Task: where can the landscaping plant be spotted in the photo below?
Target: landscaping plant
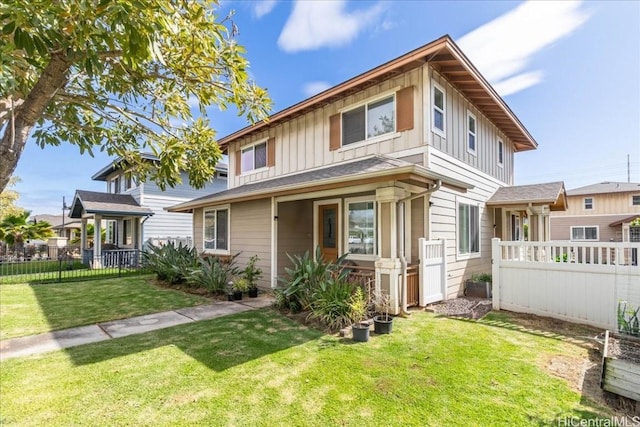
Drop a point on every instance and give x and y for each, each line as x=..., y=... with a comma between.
x=252, y=273
x=171, y=263
x=337, y=303
x=213, y=274
x=628, y=320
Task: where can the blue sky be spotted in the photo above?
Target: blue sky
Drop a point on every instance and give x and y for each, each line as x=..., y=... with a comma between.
x=569, y=70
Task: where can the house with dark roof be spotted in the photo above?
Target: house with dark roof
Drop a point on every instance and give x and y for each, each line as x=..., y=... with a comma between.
x=133, y=213
x=379, y=167
x=601, y=212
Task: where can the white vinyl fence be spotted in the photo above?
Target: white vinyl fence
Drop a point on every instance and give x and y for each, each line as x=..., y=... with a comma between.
x=579, y=282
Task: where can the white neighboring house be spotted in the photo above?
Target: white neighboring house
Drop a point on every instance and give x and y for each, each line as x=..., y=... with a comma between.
x=133, y=214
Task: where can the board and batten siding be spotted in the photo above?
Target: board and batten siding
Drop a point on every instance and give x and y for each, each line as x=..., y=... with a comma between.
x=443, y=218
x=303, y=142
x=454, y=143
x=603, y=204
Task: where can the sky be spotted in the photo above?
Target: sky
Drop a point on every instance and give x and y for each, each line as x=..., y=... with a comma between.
x=570, y=71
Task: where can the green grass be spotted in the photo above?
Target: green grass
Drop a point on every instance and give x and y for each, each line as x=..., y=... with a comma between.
x=261, y=369
x=35, y=267
x=33, y=309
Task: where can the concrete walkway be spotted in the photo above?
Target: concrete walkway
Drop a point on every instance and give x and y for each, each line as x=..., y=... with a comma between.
x=50, y=341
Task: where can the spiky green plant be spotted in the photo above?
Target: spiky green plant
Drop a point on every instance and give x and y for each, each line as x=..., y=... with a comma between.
x=628, y=319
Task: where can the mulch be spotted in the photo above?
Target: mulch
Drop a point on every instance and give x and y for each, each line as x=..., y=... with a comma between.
x=466, y=307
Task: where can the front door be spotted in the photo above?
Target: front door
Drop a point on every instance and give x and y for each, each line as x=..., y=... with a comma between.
x=328, y=231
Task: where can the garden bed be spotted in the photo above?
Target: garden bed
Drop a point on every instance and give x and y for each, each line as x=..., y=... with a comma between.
x=621, y=365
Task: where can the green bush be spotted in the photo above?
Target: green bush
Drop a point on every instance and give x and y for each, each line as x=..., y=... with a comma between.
x=338, y=303
x=306, y=276
x=628, y=321
x=171, y=263
x=213, y=274
x=252, y=273
x=565, y=258
x=481, y=277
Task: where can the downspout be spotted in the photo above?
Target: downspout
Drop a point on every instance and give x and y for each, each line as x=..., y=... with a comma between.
x=402, y=240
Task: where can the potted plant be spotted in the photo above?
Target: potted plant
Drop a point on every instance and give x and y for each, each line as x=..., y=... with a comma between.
x=251, y=275
x=383, y=322
x=240, y=285
x=478, y=286
x=358, y=306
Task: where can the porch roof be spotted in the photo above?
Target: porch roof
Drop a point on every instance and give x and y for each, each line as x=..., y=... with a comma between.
x=93, y=202
x=624, y=220
x=365, y=171
x=550, y=193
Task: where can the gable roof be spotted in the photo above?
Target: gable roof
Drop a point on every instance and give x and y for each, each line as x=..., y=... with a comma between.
x=93, y=202
x=56, y=221
x=371, y=169
x=551, y=193
x=447, y=59
x=605, y=187
x=103, y=173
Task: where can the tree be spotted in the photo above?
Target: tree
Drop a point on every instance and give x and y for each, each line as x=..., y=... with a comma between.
x=121, y=76
x=8, y=198
x=17, y=229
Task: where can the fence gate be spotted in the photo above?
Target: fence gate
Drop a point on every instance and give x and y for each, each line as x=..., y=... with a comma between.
x=433, y=271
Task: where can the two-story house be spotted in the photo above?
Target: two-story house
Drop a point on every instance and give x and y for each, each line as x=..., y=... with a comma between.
x=599, y=212
x=133, y=213
x=411, y=149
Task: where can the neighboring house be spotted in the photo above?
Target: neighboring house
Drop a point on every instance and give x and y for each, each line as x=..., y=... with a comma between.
x=62, y=226
x=133, y=213
x=599, y=213
x=413, y=148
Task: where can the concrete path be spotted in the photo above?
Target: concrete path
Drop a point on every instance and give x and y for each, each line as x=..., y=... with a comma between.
x=50, y=341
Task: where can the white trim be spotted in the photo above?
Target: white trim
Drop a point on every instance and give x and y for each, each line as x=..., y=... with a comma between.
x=500, y=162
x=584, y=232
x=365, y=142
x=470, y=202
x=274, y=244
x=473, y=151
x=432, y=104
x=378, y=97
x=329, y=193
x=316, y=238
x=631, y=201
x=584, y=204
x=217, y=208
x=441, y=154
x=345, y=238
x=156, y=197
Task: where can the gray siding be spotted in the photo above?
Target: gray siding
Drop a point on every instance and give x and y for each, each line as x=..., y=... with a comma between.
x=185, y=191
x=295, y=231
x=561, y=226
x=163, y=223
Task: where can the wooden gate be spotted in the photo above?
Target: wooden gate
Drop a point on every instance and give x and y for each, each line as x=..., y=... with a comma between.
x=433, y=271
x=413, y=286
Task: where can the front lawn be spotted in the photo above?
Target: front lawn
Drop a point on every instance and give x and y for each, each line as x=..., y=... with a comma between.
x=261, y=369
x=33, y=309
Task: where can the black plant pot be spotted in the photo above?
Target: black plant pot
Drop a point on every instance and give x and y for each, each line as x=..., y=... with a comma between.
x=360, y=332
x=382, y=324
x=477, y=289
x=230, y=297
x=237, y=295
x=253, y=293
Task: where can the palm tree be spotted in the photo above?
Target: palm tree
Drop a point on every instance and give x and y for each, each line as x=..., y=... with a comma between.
x=16, y=229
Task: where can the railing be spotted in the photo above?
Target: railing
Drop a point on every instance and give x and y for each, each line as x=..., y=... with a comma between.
x=161, y=241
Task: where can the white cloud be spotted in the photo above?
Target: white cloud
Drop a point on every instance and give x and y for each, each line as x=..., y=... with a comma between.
x=313, y=88
x=263, y=7
x=502, y=49
x=316, y=24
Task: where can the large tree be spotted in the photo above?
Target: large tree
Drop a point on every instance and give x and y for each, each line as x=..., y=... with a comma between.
x=121, y=76
x=8, y=198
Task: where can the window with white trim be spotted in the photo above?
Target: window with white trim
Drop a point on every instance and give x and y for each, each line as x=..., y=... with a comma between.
x=216, y=230
x=367, y=121
x=584, y=233
x=588, y=203
x=468, y=229
x=635, y=200
x=500, y=153
x=362, y=226
x=254, y=157
x=471, y=133
x=114, y=185
x=438, y=115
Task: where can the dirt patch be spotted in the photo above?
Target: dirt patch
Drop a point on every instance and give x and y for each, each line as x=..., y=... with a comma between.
x=467, y=307
x=624, y=349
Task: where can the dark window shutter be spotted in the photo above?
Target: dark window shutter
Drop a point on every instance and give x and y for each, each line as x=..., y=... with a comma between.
x=334, y=132
x=404, y=100
x=238, y=162
x=271, y=152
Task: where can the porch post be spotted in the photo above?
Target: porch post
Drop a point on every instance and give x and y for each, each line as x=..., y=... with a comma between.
x=388, y=266
x=83, y=235
x=97, y=242
x=274, y=243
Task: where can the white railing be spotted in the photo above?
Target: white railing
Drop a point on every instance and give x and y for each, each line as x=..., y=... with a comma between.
x=579, y=282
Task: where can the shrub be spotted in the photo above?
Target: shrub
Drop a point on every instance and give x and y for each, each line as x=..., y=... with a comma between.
x=628, y=321
x=306, y=276
x=252, y=273
x=170, y=263
x=338, y=303
x=481, y=277
x=213, y=274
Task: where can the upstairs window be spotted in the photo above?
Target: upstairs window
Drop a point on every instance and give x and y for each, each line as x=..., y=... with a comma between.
x=588, y=203
x=254, y=157
x=635, y=200
x=471, y=133
x=114, y=186
x=500, y=153
x=439, y=108
x=369, y=120
x=584, y=233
